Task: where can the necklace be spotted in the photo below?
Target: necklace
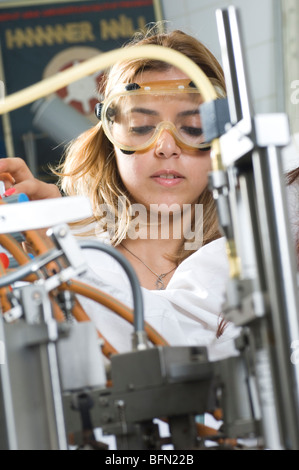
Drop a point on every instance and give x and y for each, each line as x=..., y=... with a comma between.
x=159, y=282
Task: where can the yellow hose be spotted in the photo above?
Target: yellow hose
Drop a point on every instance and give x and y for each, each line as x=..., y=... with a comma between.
x=113, y=304
x=103, y=61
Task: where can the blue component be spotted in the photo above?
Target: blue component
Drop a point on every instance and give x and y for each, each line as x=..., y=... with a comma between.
x=22, y=197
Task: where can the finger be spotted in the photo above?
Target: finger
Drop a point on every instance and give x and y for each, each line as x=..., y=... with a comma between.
x=7, y=180
x=17, y=168
x=28, y=187
x=36, y=189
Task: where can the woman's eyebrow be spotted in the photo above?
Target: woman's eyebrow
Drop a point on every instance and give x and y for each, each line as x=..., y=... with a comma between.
x=151, y=112
x=189, y=112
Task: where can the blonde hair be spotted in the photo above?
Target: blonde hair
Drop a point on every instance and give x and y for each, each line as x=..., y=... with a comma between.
x=90, y=168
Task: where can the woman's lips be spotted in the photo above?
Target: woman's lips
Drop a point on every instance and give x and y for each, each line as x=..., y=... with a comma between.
x=167, y=178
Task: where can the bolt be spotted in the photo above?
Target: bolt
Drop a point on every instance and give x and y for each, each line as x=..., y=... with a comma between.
x=62, y=232
x=103, y=401
x=106, y=418
x=36, y=296
x=119, y=403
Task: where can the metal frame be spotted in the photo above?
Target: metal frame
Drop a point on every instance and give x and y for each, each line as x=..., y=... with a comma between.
x=256, y=188
x=257, y=390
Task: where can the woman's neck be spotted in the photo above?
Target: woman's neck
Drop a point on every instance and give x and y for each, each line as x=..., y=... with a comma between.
x=152, y=245
x=153, y=248
x=162, y=228
x=151, y=260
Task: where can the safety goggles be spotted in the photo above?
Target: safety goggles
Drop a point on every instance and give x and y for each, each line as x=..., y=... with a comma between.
x=134, y=116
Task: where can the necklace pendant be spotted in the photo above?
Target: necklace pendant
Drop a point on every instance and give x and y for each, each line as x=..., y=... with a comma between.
x=159, y=283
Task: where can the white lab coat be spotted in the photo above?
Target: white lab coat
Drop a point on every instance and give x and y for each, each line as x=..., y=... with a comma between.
x=187, y=312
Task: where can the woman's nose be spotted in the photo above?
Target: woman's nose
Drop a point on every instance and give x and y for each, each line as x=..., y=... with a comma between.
x=166, y=145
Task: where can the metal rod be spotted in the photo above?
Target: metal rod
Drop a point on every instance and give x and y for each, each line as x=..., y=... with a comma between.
x=32, y=267
x=280, y=269
x=278, y=326
x=136, y=290
x=234, y=68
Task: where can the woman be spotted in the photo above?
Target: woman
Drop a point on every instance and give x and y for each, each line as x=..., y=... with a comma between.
x=148, y=150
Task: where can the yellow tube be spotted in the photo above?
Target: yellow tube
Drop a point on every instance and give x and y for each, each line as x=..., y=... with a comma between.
x=103, y=61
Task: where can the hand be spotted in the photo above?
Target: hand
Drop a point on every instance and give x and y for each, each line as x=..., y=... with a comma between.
x=16, y=175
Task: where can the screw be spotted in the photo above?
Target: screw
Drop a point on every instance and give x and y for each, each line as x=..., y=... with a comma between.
x=62, y=232
x=103, y=401
x=36, y=296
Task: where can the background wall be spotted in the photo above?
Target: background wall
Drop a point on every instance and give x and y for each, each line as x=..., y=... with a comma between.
x=258, y=19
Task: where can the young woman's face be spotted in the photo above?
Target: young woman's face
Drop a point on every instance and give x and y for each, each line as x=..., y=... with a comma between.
x=166, y=173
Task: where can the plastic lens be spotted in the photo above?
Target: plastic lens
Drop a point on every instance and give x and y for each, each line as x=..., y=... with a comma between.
x=133, y=120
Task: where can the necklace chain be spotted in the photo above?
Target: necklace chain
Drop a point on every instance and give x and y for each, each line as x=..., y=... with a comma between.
x=159, y=282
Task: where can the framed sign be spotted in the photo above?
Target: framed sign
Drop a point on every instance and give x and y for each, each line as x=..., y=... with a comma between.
x=41, y=38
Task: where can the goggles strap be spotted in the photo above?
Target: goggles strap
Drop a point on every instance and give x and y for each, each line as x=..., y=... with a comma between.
x=98, y=110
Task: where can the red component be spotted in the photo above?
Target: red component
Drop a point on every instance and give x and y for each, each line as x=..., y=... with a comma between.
x=4, y=259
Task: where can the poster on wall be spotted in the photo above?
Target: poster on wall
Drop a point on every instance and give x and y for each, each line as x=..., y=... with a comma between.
x=41, y=38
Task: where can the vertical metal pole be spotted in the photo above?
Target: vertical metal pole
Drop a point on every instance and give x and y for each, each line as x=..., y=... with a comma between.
x=277, y=377
x=8, y=432
x=280, y=270
x=239, y=100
